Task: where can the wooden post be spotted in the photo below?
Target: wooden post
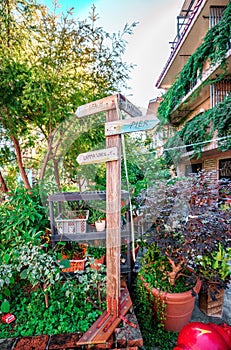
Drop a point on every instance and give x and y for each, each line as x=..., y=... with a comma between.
x=113, y=232
x=112, y=156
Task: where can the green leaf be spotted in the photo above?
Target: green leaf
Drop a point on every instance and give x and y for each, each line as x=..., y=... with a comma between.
x=23, y=274
x=5, y=306
x=7, y=291
x=6, y=258
x=64, y=263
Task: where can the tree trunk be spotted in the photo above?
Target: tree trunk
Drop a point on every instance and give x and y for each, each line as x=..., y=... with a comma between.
x=20, y=162
x=3, y=187
x=56, y=173
x=47, y=157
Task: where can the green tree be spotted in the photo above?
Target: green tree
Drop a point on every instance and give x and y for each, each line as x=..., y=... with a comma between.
x=52, y=64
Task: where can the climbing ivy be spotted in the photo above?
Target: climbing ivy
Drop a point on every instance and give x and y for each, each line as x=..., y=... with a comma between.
x=200, y=129
x=213, y=48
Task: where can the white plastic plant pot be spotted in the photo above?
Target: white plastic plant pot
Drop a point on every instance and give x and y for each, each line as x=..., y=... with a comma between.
x=100, y=225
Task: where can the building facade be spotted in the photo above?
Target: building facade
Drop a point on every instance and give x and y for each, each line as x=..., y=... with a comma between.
x=197, y=81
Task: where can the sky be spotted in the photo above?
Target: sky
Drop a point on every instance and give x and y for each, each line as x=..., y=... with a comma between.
x=148, y=48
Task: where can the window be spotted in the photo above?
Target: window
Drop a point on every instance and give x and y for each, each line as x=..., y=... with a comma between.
x=193, y=168
x=216, y=13
x=225, y=168
x=219, y=91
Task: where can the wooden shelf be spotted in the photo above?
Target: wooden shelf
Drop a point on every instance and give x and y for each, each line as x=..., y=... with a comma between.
x=91, y=234
x=86, y=196
x=88, y=236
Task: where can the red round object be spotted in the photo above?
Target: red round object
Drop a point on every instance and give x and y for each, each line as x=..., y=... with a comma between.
x=201, y=336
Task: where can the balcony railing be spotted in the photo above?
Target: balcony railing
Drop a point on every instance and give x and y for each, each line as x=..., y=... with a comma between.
x=181, y=32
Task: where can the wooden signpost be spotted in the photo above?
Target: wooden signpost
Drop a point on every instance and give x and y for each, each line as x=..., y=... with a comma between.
x=118, y=303
x=99, y=156
x=107, y=104
x=131, y=125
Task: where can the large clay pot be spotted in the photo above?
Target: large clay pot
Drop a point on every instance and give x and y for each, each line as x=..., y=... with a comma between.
x=179, y=306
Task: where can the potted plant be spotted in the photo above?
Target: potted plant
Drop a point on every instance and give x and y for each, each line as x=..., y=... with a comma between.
x=213, y=263
x=100, y=224
x=96, y=256
x=215, y=271
x=73, y=255
x=171, y=283
x=187, y=223
x=97, y=218
x=129, y=251
x=94, y=214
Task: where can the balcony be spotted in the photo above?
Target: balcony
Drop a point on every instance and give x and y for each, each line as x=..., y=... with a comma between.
x=203, y=92
x=208, y=131
x=195, y=18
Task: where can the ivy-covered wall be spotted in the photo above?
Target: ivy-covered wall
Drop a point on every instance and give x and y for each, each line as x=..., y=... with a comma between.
x=199, y=130
x=213, y=48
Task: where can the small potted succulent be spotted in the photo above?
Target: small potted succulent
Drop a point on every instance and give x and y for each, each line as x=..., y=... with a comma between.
x=100, y=224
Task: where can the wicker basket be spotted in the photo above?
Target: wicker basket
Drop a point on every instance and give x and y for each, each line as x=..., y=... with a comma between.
x=71, y=225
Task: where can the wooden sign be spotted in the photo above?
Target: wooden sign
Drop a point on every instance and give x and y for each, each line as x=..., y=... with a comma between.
x=104, y=104
x=98, y=156
x=131, y=125
x=107, y=104
x=128, y=107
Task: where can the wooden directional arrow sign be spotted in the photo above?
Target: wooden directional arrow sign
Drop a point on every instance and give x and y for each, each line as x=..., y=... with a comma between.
x=131, y=125
x=128, y=107
x=107, y=104
x=99, y=156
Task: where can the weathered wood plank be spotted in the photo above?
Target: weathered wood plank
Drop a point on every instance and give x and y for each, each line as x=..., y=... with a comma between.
x=131, y=125
x=104, y=104
x=128, y=107
x=107, y=104
x=113, y=231
x=101, y=331
x=90, y=334
x=98, y=156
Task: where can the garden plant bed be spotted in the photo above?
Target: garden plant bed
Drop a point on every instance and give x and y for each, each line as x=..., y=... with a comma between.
x=127, y=336
x=66, y=320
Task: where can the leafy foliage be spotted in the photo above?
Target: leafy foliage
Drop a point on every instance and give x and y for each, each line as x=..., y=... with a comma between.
x=68, y=310
x=188, y=223
x=199, y=130
x=51, y=64
x=30, y=270
x=152, y=331
x=96, y=252
x=213, y=48
x=23, y=219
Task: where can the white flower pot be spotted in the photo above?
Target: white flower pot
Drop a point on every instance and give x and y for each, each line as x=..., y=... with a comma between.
x=100, y=225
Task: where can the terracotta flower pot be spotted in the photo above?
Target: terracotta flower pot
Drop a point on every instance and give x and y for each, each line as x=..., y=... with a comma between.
x=179, y=306
x=125, y=253
x=97, y=262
